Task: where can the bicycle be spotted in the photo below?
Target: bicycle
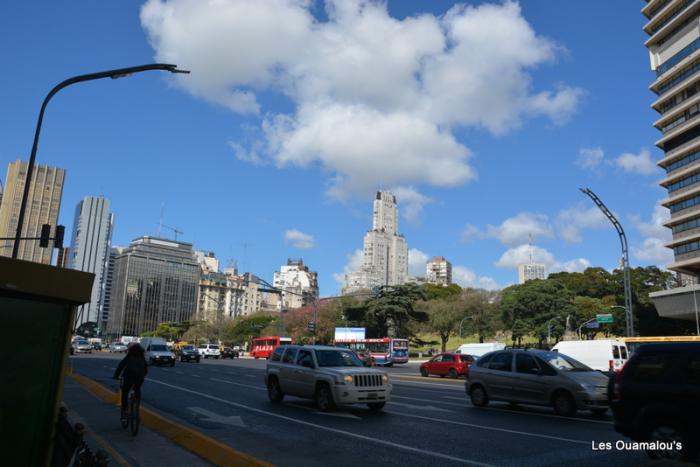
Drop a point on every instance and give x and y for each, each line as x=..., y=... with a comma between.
x=133, y=416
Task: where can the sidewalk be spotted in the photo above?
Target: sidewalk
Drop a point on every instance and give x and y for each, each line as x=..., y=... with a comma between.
x=104, y=431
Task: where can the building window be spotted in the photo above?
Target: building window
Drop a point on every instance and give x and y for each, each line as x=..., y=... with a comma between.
x=685, y=161
x=687, y=225
x=684, y=182
x=686, y=248
x=673, y=61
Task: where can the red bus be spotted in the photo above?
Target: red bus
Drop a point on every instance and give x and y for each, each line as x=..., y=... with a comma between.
x=385, y=351
x=262, y=347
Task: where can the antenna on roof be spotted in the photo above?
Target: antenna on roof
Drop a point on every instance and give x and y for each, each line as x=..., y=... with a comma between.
x=530, y=243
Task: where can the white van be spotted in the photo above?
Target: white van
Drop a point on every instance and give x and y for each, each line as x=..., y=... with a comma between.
x=157, y=352
x=478, y=350
x=603, y=355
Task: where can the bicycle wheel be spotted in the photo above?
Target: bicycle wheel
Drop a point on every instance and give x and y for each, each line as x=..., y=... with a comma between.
x=134, y=417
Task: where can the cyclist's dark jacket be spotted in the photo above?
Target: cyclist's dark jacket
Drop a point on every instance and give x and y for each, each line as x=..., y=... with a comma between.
x=134, y=367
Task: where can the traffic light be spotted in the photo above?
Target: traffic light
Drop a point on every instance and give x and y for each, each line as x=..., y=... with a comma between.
x=58, y=241
x=45, y=236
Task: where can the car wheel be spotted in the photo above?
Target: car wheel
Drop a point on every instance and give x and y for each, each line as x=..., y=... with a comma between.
x=424, y=372
x=668, y=434
x=478, y=396
x=453, y=373
x=324, y=398
x=376, y=406
x=598, y=412
x=563, y=404
x=274, y=391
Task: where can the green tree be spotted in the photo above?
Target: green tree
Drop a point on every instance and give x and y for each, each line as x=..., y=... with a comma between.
x=443, y=317
x=392, y=310
x=434, y=291
x=87, y=329
x=243, y=329
x=481, y=307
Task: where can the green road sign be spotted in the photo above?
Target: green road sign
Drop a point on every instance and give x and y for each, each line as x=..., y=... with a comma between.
x=604, y=318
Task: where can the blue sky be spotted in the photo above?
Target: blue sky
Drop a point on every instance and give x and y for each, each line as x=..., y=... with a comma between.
x=485, y=118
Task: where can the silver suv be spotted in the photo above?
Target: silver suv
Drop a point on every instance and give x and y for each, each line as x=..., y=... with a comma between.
x=537, y=377
x=328, y=375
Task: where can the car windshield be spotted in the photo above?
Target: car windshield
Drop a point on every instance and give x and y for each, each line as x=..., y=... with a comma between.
x=203, y=346
x=337, y=358
x=83, y=343
x=563, y=362
x=158, y=348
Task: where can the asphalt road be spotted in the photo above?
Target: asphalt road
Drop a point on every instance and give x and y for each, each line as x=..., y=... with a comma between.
x=428, y=422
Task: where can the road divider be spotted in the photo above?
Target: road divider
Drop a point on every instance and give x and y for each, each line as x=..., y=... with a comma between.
x=205, y=447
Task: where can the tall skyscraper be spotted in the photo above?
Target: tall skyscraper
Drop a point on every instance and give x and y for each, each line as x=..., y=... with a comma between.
x=674, y=50
x=530, y=271
x=385, y=253
x=155, y=281
x=43, y=206
x=108, y=285
x=90, y=246
x=438, y=271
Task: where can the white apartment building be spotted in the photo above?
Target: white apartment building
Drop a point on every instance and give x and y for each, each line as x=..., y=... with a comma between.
x=299, y=285
x=530, y=271
x=385, y=251
x=438, y=271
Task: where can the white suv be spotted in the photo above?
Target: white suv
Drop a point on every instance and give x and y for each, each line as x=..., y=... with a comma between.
x=328, y=375
x=209, y=350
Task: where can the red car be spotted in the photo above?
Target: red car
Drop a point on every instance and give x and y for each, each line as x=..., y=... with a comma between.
x=444, y=364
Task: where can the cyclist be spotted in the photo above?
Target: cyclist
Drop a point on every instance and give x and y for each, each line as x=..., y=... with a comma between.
x=135, y=369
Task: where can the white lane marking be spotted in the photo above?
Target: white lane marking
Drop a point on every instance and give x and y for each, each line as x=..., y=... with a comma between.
x=455, y=398
x=331, y=414
x=326, y=428
x=252, y=376
x=238, y=384
x=490, y=428
x=179, y=372
x=195, y=376
x=233, y=420
x=420, y=407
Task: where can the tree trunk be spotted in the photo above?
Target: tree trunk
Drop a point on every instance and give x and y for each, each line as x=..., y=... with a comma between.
x=481, y=339
x=444, y=339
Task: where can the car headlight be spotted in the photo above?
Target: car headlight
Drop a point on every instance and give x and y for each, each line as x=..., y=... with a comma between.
x=385, y=378
x=347, y=379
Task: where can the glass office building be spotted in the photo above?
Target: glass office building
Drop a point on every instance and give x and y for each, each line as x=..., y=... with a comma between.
x=155, y=281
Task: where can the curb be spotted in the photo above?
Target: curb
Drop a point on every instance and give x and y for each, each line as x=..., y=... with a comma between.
x=205, y=447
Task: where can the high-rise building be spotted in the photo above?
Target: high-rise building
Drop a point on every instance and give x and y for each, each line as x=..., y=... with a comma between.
x=299, y=285
x=530, y=271
x=90, y=246
x=43, y=206
x=155, y=281
x=674, y=50
x=108, y=284
x=438, y=271
x=63, y=257
x=385, y=252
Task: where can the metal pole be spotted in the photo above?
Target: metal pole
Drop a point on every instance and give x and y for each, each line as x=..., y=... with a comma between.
x=118, y=73
x=629, y=315
x=460, y=325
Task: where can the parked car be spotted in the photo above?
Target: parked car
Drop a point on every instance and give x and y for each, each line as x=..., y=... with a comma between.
x=188, y=353
x=444, y=364
x=228, y=352
x=117, y=347
x=656, y=398
x=537, y=377
x=329, y=375
x=82, y=346
x=157, y=352
x=604, y=355
x=209, y=350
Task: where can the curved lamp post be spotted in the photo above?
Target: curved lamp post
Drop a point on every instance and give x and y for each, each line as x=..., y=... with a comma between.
x=114, y=74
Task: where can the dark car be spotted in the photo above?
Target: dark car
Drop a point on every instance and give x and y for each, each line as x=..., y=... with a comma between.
x=656, y=398
x=188, y=353
x=228, y=352
x=444, y=364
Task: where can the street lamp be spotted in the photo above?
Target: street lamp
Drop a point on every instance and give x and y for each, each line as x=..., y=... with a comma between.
x=462, y=322
x=114, y=74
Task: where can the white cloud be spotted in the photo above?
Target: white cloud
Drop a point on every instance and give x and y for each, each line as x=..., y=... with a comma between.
x=516, y=256
x=589, y=158
x=570, y=222
x=465, y=277
x=411, y=202
x=637, y=163
x=416, y=262
x=354, y=262
x=376, y=99
x=471, y=232
x=299, y=239
x=652, y=249
x=519, y=228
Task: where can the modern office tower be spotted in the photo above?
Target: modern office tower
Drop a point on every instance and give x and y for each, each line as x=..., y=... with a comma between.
x=438, y=271
x=674, y=50
x=43, y=206
x=530, y=271
x=385, y=252
x=108, y=285
x=299, y=285
x=90, y=246
x=155, y=281
x=63, y=257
